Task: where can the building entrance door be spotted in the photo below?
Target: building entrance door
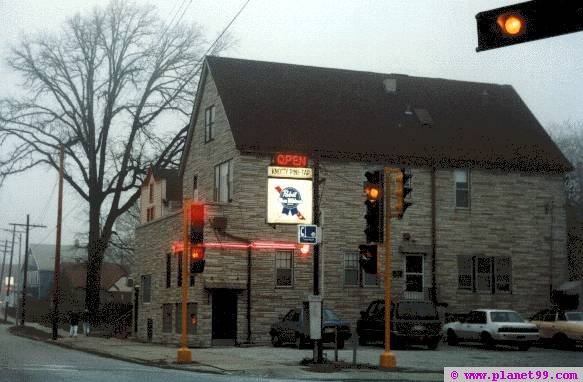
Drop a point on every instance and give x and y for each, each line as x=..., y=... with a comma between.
x=224, y=319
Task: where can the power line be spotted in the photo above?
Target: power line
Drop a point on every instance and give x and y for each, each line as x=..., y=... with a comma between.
x=44, y=213
x=227, y=27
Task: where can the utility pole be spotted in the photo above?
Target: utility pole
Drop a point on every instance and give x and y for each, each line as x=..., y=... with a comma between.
x=56, y=273
x=18, y=287
x=318, y=356
x=24, y=279
x=3, y=263
x=9, y=275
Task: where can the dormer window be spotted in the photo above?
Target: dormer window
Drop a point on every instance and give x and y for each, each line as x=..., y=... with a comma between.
x=209, y=123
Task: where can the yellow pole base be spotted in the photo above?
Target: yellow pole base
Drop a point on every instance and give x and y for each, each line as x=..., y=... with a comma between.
x=184, y=355
x=388, y=360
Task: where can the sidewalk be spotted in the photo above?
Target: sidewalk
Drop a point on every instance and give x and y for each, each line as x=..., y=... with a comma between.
x=257, y=361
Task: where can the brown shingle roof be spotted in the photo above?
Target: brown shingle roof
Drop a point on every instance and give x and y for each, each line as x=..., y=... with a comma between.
x=173, y=185
x=349, y=115
x=76, y=273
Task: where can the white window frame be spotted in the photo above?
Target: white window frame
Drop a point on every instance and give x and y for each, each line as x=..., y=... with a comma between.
x=280, y=261
x=223, y=180
x=350, y=263
x=422, y=273
x=467, y=188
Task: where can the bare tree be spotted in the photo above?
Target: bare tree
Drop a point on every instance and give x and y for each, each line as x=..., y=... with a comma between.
x=100, y=87
x=568, y=135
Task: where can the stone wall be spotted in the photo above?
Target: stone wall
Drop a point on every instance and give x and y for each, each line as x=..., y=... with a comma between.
x=507, y=217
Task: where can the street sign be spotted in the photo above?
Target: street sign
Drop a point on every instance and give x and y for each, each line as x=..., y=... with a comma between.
x=309, y=234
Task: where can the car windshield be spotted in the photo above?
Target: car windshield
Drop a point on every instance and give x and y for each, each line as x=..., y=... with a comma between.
x=505, y=317
x=416, y=310
x=330, y=315
x=574, y=316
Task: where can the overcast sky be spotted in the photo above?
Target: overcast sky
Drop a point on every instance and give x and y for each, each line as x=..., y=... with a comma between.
x=428, y=38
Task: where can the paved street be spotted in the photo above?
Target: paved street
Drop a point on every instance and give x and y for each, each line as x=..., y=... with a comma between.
x=27, y=360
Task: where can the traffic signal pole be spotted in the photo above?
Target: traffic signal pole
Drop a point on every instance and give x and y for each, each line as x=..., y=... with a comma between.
x=318, y=353
x=184, y=355
x=388, y=359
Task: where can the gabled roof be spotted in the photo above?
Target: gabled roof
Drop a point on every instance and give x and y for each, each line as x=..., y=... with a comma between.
x=350, y=115
x=173, y=184
x=76, y=273
x=44, y=255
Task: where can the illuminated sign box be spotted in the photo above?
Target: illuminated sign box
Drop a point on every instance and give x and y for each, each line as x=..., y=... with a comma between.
x=289, y=201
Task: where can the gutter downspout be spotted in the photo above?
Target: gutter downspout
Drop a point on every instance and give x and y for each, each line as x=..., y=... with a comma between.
x=433, y=233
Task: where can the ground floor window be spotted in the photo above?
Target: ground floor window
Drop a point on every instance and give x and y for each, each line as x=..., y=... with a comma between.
x=284, y=269
x=485, y=273
x=146, y=288
x=191, y=318
x=414, y=273
x=354, y=275
x=167, y=318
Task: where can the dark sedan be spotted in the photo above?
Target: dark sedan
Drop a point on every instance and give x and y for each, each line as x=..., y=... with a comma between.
x=294, y=328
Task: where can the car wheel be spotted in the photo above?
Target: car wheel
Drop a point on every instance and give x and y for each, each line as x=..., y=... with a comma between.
x=487, y=340
x=340, y=343
x=452, y=339
x=561, y=341
x=432, y=344
x=362, y=340
x=275, y=340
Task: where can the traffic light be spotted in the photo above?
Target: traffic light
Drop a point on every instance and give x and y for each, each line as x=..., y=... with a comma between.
x=373, y=188
x=368, y=258
x=403, y=180
x=196, y=238
x=528, y=21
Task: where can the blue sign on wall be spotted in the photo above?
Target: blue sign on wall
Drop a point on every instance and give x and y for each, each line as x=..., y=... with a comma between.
x=308, y=234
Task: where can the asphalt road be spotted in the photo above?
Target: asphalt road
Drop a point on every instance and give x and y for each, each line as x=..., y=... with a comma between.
x=24, y=360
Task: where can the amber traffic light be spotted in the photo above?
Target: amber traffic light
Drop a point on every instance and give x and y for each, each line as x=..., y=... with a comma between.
x=528, y=21
x=373, y=188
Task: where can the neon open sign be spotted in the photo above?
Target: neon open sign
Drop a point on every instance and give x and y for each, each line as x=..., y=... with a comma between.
x=291, y=160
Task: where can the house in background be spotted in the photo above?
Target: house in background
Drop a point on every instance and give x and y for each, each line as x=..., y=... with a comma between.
x=41, y=266
x=114, y=284
x=161, y=194
x=480, y=232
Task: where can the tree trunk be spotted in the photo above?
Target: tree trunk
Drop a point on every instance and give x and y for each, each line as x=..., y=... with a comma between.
x=95, y=251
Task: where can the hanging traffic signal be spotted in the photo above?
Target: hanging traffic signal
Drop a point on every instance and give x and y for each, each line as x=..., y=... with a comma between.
x=403, y=180
x=528, y=21
x=197, y=238
x=368, y=258
x=373, y=188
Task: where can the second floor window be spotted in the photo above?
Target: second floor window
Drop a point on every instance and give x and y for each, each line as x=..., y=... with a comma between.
x=150, y=214
x=151, y=191
x=209, y=123
x=223, y=190
x=168, y=270
x=195, y=187
x=462, y=188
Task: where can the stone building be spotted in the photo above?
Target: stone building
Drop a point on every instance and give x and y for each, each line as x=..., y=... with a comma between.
x=486, y=228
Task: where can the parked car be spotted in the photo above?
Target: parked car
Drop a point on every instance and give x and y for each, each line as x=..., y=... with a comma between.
x=294, y=328
x=562, y=329
x=412, y=322
x=492, y=327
